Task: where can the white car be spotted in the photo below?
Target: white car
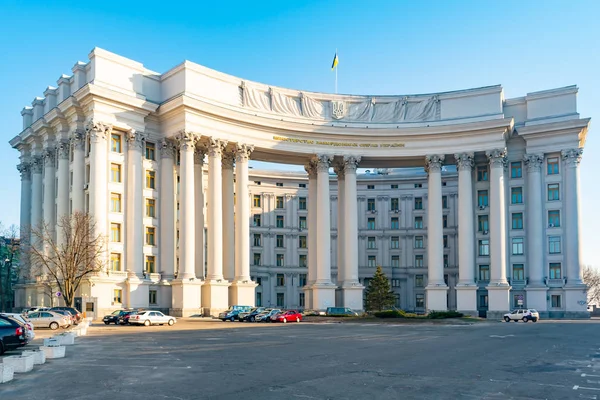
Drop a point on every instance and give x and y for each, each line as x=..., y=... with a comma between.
x=148, y=318
x=524, y=315
x=25, y=320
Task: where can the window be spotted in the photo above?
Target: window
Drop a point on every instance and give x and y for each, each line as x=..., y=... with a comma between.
x=370, y=187
x=115, y=232
x=396, y=261
x=152, y=297
x=115, y=173
x=516, y=170
x=484, y=247
x=279, y=184
x=395, y=282
x=257, y=183
x=395, y=242
x=418, y=222
x=256, y=200
x=483, y=223
x=279, y=202
x=518, y=272
x=419, y=281
x=370, y=204
x=395, y=204
x=117, y=295
x=517, y=220
x=115, y=261
x=279, y=241
x=115, y=202
x=301, y=300
x=150, y=179
x=150, y=208
x=418, y=242
x=302, y=260
x=301, y=280
x=302, y=242
x=445, y=241
x=554, y=218
x=394, y=187
x=115, y=143
x=419, y=261
x=446, y=264
x=150, y=236
x=553, y=192
x=258, y=299
x=482, y=198
x=553, y=166
x=484, y=272
x=279, y=222
x=256, y=219
x=444, y=201
x=516, y=195
x=420, y=300
x=302, y=185
x=556, y=301
x=257, y=240
x=150, y=265
x=418, y=203
x=482, y=173
x=280, y=262
x=517, y=246
x=483, y=300
x=394, y=223
x=280, y=299
x=150, y=151
x=555, y=271
x=418, y=185
x=554, y=246
x=280, y=280
x=302, y=203
x=371, y=223
x=256, y=259
x=371, y=243
x=444, y=221
x=372, y=261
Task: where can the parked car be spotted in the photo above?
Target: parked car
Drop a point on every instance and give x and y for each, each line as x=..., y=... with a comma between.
x=230, y=315
x=49, y=319
x=148, y=318
x=339, y=311
x=72, y=310
x=12, y=334
x=287, y=316
x=67, y=314
x=23, y=319
x=524, y=315
x=266, y=316
x=124, y=319
x=113, y=318
x=251, y=316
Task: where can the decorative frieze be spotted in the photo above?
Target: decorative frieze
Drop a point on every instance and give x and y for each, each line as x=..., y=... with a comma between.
x=464, y=161
x=533, y=162
x=572, y=157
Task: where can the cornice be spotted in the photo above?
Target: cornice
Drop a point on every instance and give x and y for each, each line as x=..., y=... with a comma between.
x=126, y=100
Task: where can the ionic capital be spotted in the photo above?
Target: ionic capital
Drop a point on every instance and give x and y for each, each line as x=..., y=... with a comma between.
x=135, y=139
x=167, y=149
x=78, y=139
x=351, y=163
x=63, y=149
x=572, y=157
x=228, y=159
x=533, y=162
x=186, y=140
x=323, y=162
x=496, y=157
x=216, y=147
x=25, y=169
x=98, y=130
x=433, y=163
x=464, y=161
x=242, y=152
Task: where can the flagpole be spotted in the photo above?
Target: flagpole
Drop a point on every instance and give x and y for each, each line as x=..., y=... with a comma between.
x=336, y=69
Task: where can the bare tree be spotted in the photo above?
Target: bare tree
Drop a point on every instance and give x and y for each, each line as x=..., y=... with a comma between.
x=9, y=263
x=77, y=253
x=591, y=277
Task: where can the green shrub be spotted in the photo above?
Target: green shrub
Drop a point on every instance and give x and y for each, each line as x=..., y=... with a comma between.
x=389, y=314
x=444, y=314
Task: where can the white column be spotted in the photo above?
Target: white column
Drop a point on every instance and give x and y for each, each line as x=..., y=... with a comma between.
x=228, y=222
x=311, y=169
x=134, y=210
x=25, y=222
x=352, y=290
x=466, y=289
x=199, y=210
x=498, y=289
x=50, y=187
x=242, y=213
x=77, y=192
x=187, y=143
x=99, y=174
x=167, y=210
x=37, y=165
x=63, y=182
x=436, y=287
x=341, y=248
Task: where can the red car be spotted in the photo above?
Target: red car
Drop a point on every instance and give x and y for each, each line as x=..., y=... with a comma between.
x=288, y=316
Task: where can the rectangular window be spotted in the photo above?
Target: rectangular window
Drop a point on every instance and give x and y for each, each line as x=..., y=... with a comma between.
x=371, y=223
x=396, y=261
x=418, y=203
x=258, y=299
x=518, y=272
x=419, y=282
x=554, y=219
x=516, y=195
x=152, y=294
x=115, y=143
x=419, y=242
x=150, y=265
x=279, y=241
x=444, y=201
x=444, y=221
x=115, y=202
x=517, y=220
x=420, y=300
x=483, y=223
x=150, y=179
x=279, y=202
x=394, y=204
x=301, y=300
x=150, y=208
x=150, y=151
x=279, y=184
x=302, y=260
x=302, y=223
x=370, y=187
x=115, y=261
x=257, y=241
x=117, y=296
x=482, y=198
x=302, y=185
x=446, y=261
x=484, y=247
x=256, y=259
x=280, y=262
x=395, y=282
x=302, y=203
x=280, y=280
x=370, y=204
x=395, y=242
x=484, y=273
x=445, y=241
x=279, y=221
x=302, y=242
x=115, y=173
x=556, y=301
x=394, y=186
x=553, y=192
x=150, y=236
x=555, y=271
x=395, y=223
x=256, y=200
x=418, y=185
x=552, y=166
x=516, y=170
x=372, y=261
x=371, y=243
x=256, y=219
x=280, y=300
x=554, y=245
x=419, y=261
x=115, y=232
x=483, y=300
x=517, y=246
x=482, y=173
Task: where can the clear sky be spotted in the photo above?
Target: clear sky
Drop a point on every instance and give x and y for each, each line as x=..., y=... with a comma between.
x=385, y=47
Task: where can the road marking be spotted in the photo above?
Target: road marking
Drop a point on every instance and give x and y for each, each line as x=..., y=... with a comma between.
x=576, y=387
x=500, y=336
x=584, y=375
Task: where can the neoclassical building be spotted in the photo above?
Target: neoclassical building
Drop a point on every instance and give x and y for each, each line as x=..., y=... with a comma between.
x=468, y=200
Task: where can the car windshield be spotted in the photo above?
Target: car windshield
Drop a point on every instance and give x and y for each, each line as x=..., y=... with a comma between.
x=116, y=312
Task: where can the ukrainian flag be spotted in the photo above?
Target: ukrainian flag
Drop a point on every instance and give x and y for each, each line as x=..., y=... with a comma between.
x=335, y=61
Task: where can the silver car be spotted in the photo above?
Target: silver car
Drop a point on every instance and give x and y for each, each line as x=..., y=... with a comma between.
x=148, y=318
x=49, y=319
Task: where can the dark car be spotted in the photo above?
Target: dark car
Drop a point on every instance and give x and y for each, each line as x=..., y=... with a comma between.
x=13, y=334
x=230, y=315
x=124, y=319
x=251, y=316
x=114, y=317
x=72, y=310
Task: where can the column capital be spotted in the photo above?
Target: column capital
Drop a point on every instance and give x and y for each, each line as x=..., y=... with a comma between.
x=533, y=162
x=135, y=139
x=433, y=163
x=228, y=159
x=496, y=158
x=340, y=169
x=572, y=157
x=167, y=149
x=243, y=151
x=49, y=156
x=351, y=163
x=333, y=197
x=98, y=130
x=464, y=161
x=37, y=163
x=186, y=140
x=311, y=168
x=63, y=149
x=24, y=169
x=77, y=139
x=216, y=147
x=199, y=154
x=323, y=162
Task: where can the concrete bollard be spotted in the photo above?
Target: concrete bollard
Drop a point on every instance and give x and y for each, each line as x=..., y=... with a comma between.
x=39, y=357
x=7, y=373
x=20, y=364
x=53, y=351
x=51, y=342
x=65, y=339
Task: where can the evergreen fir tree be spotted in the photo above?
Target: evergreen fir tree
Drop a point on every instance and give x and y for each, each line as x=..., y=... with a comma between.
x=379, y=293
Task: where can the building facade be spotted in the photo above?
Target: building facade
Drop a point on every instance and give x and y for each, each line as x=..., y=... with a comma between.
x=468, y=200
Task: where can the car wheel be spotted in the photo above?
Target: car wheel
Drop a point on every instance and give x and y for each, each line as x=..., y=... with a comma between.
x=54, y=326
x=525, y=319
x=252, y=319
x=535, y=320
x=106, y=322
x=285, y=320
x=297, y=319
x=171, y=322
x=506, y=319
x=146, y=323
x=232, y=319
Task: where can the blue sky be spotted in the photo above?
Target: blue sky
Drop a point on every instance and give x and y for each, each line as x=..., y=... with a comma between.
x=395, y=47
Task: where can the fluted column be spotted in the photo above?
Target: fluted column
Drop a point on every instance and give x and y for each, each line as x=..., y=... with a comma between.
x=341, y=248
x=77, y=192
x=36, y=191
x=134, y=211
x=228, y=223
x=50, y=187
x=199, y=154
x=62, y=197
x=99, y=133
x=572, y=219
x=242, y=213
x=187, y=144
x=167, y=209
x=535, y=223
x=436, y=288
